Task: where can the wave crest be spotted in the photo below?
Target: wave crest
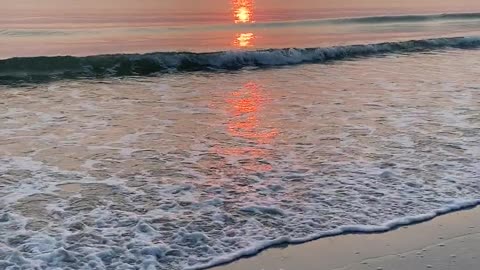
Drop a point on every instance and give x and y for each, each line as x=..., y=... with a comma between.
x=412, y=18
x=60, y=67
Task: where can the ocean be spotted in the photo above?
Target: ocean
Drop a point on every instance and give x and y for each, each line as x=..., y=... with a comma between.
x=184, y=135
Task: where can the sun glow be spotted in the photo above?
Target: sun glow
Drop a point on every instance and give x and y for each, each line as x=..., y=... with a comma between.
x=243, y=11
x=243, y=15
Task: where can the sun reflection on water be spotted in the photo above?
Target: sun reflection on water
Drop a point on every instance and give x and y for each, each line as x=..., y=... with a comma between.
x=246, y=125
x=244, y=40
x=246, y=109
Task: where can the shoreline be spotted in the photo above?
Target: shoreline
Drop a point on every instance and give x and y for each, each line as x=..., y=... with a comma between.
x=447, y=241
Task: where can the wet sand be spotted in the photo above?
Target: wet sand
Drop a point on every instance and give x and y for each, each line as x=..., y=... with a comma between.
x=450, y=241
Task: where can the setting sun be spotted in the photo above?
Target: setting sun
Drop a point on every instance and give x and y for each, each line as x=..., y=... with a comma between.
x=243, y=14
x=243, y=11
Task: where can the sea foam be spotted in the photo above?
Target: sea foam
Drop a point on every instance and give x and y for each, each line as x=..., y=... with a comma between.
x=193, y=170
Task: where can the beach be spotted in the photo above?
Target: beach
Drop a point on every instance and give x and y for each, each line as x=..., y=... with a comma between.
x=151, y=170
x=240, y=134
x=448, y=242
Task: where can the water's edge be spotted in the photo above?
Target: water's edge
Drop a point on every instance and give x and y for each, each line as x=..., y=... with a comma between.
x=342, y=230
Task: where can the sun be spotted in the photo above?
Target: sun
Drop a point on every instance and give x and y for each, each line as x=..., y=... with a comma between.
x=242, y=15
x=243, y=11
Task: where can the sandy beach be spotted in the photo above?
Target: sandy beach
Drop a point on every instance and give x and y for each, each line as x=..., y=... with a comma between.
x=447, y=242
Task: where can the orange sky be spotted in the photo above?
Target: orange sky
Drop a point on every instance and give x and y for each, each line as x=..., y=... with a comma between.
x=114, y=6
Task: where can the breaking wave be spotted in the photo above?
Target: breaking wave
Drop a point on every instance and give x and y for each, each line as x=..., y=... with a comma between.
x=64, y=67
x=413, y=18
x=374, y=20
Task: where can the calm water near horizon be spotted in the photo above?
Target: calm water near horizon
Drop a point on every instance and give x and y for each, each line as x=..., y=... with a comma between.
x=69, y=28
x=211, y=130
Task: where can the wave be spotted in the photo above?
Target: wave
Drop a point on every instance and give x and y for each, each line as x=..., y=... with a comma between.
x=342, y=230
x=368, y=20
x=35, y=69
x=411, y=18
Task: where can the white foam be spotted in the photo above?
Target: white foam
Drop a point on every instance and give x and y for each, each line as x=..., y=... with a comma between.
x=392, y=224
x=183, y=189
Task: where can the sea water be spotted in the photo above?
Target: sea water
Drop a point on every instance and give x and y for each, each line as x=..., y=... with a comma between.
x=185, y=160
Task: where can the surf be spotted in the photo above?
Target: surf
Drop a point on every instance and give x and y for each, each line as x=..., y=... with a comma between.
x=35, y=69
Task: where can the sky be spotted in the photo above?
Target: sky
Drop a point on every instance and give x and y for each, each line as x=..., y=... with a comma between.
x=161, y=6
x=50, y=14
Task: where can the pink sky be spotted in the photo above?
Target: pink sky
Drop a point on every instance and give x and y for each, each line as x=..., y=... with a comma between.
x=160, y=6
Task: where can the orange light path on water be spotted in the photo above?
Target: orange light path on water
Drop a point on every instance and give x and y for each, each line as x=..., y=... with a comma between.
x=247, y=125
x=246, y=107
x=244, y=40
